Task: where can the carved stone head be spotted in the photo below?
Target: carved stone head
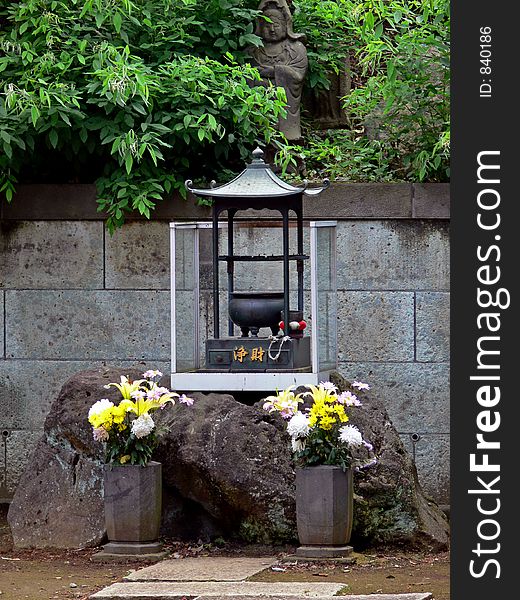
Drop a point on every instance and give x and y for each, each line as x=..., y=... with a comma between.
x=279, y=13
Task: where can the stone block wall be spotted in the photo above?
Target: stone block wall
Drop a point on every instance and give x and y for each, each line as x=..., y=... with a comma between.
x=73, y=297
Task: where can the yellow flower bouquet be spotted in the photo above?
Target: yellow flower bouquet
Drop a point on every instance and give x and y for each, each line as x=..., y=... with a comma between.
x=127, y=429
x=322, y=433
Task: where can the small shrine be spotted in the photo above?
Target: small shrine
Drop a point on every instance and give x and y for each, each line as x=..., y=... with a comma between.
x=277, y=306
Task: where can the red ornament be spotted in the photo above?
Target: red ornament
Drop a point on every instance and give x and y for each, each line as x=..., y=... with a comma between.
x=301, y=325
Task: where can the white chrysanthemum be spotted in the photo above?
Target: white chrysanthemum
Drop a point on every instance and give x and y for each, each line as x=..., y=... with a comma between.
x=348, y=399
x=360, y=385
x=350, y=434
x=328, y=385
x=151, y=373
x=143, y=425
x=298, y=444
x=100, y=406
x=298, y=426
x=100, y=434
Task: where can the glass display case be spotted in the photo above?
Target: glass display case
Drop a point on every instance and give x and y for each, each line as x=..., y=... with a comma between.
x=261, y=360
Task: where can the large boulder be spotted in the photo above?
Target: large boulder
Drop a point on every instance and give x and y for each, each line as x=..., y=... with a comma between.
x=227, y=470
x=390, y=505
x=234, y=461
x=59, y=500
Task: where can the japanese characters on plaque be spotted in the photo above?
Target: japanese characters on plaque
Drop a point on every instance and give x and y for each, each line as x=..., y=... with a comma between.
x=241, y=355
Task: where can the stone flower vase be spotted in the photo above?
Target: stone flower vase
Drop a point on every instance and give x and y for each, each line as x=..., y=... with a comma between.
x=324, y=505
x=133, y=508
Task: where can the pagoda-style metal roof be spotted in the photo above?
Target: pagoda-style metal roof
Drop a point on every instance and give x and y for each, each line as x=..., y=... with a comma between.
x=257, y=180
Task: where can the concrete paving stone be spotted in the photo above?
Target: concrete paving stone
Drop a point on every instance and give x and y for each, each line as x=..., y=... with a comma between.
x=416, y=395
x=52, y=255
x=263, y=597
x=253, y=591
x=433, y=326
x=223, y=589
x=423, y=596
x=376, y=326
x=203, y=569
x=137, y=256
x=417, y=596
x=393, y=255
x=432, y=458
x=77, y=325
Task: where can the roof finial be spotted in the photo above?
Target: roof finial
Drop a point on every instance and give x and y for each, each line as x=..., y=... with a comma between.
x=258, y=155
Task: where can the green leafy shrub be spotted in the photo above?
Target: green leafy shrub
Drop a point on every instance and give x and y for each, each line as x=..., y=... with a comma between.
x=398, y=109
x=135, y=95
x=130, y=94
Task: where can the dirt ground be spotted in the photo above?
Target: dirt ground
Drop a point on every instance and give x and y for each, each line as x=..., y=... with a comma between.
x=61, y=575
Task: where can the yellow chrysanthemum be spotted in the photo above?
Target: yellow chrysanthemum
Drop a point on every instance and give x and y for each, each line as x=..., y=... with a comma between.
x=326, y=423
x=119, y=413
x=104, y=418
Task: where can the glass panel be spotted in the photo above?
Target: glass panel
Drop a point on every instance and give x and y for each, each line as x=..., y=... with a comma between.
x=205, y=234
x=185, y=309
x=255, y=239
x=325, y=313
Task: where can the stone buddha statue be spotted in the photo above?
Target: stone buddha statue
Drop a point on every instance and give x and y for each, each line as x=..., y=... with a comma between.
x=282, y=60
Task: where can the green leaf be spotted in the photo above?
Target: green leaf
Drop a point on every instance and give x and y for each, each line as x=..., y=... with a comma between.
x=65, y=118
x=53, y=138
x=8, y=150
x=115, y=145
x=151, y=152
x=129, y=161
x=390, y=68
x=117, y=20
